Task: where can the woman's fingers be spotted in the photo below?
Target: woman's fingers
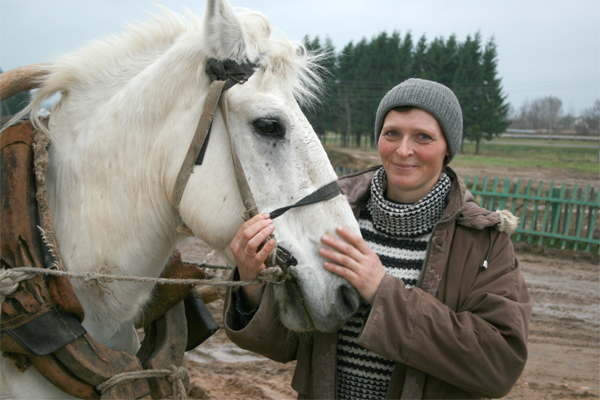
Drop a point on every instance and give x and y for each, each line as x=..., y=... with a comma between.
x=353, y=246
x=340, y=254
x=356, y=240
x=256, y=239
x=245, y=246
x=253, y=226
x=353, y=259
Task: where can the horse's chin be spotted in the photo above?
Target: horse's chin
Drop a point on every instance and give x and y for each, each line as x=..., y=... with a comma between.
x=296, y=315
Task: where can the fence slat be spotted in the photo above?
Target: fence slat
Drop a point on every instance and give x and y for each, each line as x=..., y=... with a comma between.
x=533, y=225
x=524, y=212
x=474, y=183
x=556, y=209
x=592, y=221
x=515, y=192
x=546, y=212
x=502, y=201
x=493, y=199
x=568, y=213
x=581, y=217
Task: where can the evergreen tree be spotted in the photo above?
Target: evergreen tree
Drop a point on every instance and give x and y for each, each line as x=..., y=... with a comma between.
x=441, y=60
x=419, y=59
x=466, y=84
x=405, y=59
x=317, y=114
x=494, y=109
x=362, y=73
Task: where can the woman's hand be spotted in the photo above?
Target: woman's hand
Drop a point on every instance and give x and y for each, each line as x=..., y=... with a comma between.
x=354, y=260
x=248, y=258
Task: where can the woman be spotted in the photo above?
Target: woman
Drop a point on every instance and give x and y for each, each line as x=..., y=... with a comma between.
x=446, y=311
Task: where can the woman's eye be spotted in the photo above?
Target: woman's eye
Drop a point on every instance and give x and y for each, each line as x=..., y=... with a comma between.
x=391, y=133
x=423, y=136
x=269, y=127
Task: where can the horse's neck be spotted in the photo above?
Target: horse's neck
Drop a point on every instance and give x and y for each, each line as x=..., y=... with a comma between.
x=109, y=217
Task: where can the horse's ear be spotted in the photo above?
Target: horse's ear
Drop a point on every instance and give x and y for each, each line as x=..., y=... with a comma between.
x=225, y=35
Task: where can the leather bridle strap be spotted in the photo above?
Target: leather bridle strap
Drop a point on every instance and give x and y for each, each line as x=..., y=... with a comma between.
x=240, y=176
x=223, y=75
x=326, y=192
x=206, y=118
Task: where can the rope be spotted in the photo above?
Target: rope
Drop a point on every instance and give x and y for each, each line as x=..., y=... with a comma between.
x=9, y=281
x=204, y=265
x=176, y=375
x=9, y=278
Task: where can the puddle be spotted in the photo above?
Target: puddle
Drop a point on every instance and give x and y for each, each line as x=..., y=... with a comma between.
x=224, y=354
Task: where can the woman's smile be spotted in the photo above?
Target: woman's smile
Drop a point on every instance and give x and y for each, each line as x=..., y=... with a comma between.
x=412, y=148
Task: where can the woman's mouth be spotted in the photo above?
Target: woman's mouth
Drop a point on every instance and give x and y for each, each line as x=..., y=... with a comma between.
x=404, y=167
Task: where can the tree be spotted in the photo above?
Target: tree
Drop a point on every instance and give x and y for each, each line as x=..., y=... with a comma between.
x=419, y=58
x=466, y=84
x=552, y=107
x=363, y=72
x=591, y=116
x=540, y=113
x=494, y=109
x=441, y=60
x=315, y=113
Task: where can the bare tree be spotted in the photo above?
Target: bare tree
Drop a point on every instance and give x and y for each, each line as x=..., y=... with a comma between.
x=540, y=113
x=592, y=116
x=552, y=109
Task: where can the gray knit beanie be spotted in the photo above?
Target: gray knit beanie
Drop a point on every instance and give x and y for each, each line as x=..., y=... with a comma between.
x=433, y=97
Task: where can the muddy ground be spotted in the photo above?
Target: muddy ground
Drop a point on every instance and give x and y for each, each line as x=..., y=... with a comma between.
x=564, y=341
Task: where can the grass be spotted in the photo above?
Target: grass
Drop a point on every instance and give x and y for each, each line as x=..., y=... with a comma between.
x=576, y=159
x=520, y=153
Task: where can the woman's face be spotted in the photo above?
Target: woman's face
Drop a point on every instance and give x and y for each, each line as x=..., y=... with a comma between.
x=412, y=148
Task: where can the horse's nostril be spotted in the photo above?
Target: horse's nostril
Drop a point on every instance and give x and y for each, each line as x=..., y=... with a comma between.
x=349, y=301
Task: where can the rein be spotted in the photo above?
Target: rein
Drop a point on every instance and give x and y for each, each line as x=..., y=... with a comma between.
x=225, y=74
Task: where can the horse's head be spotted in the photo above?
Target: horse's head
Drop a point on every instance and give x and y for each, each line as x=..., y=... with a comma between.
x=123, y=127
x=283, y=161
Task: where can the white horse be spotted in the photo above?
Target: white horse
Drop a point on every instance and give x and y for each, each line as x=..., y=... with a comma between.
x=120, y=132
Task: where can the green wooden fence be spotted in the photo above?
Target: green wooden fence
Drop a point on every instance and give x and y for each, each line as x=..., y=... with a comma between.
x=562, y=217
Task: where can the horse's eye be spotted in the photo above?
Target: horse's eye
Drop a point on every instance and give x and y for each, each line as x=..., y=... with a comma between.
x=269, y=127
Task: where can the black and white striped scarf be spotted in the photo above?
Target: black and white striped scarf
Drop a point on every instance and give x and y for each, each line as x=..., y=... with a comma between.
x=398, y=233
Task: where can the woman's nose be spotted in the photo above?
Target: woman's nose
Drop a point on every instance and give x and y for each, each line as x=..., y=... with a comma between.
x=405, y=148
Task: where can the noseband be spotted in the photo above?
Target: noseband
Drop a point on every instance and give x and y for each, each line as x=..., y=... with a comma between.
x=224, y=74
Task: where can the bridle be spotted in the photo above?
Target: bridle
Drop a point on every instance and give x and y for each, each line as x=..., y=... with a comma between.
x=224, y=74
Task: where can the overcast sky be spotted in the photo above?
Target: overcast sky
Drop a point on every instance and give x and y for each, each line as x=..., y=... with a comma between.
x=545, y=47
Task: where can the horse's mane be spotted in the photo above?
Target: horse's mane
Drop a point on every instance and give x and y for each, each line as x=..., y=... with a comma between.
x=118, y=57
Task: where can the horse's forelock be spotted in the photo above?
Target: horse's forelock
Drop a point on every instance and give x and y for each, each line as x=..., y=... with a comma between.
x=291, y=65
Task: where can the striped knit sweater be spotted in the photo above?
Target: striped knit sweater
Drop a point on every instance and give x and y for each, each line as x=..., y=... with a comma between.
x=399, y=234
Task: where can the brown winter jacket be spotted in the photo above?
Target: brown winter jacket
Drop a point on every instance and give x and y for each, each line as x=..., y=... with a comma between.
x=466, y=330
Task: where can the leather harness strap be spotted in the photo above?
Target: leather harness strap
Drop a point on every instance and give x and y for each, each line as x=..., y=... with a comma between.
x=206, y=118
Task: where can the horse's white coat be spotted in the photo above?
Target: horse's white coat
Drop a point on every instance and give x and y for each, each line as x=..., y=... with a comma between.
x=119, y=135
